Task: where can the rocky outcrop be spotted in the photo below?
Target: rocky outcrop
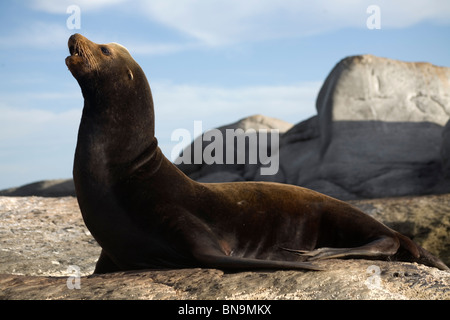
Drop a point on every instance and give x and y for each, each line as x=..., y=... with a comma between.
x=379, y=132
x=44, y=240
x=380, y=123
x=348, y=280
x=242, y=138
x=45, y=188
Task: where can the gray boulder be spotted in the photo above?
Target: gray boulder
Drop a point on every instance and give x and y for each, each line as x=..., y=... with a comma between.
x=245, y=140
x=445, y=150
x=381, y=123
x=44, y=188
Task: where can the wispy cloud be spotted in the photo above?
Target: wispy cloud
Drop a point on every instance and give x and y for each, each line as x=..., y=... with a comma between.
x=60, y=6
x=224, y=22
x=209, y=23
x=227, y=22
x=291, y=102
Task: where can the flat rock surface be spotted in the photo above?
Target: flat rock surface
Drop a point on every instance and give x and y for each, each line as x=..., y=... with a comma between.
x=345, y=279
x=44, y=239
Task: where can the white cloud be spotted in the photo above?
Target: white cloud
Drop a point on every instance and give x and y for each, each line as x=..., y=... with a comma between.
x=228, y=22
x=223, y=22
x=290, y=102
x=60, y=6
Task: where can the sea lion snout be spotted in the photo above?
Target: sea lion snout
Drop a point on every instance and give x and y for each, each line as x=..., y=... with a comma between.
x=82, y=57
x=75, y=44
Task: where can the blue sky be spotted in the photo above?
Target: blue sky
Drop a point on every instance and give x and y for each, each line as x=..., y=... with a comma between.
x=211, y=60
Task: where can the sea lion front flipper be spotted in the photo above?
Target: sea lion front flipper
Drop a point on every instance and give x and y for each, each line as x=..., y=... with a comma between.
x=382, y=247
x=105, y=264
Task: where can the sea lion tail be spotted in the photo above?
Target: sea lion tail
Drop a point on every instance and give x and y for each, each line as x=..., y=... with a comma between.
x=410, y=251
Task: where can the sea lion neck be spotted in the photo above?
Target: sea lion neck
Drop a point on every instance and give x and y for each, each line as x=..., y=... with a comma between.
x=117, y=125
x=107, y=132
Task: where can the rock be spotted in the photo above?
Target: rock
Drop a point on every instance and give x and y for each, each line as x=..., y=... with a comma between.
x=248, y=131
x=45, y=188
x=445, y=150
x=373, y=160
x=370, y=88
x=425, y=219
x=344, y=279
x=380, y=123
x=44, y=239
x=44, y=236
x=378, y=133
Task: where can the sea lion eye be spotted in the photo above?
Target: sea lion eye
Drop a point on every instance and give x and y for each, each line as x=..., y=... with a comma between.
x=105, y=51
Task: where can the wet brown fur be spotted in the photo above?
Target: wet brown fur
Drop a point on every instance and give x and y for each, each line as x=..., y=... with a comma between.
x=146, y=213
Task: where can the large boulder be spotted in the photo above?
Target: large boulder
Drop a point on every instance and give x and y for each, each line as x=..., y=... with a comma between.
x=381, y=123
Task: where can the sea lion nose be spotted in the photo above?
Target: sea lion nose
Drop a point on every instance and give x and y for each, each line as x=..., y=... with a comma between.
x=77, y=38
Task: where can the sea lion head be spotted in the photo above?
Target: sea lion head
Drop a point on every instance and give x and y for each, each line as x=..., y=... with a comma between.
x=97, y=66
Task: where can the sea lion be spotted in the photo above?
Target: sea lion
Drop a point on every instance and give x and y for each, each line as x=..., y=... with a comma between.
x=145, y=213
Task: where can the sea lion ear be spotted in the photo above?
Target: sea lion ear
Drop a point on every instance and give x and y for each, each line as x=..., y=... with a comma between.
x=130, y=74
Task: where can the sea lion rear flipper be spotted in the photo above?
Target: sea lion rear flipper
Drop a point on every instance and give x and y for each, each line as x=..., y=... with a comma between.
x=382, y=247
x=413, y=252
